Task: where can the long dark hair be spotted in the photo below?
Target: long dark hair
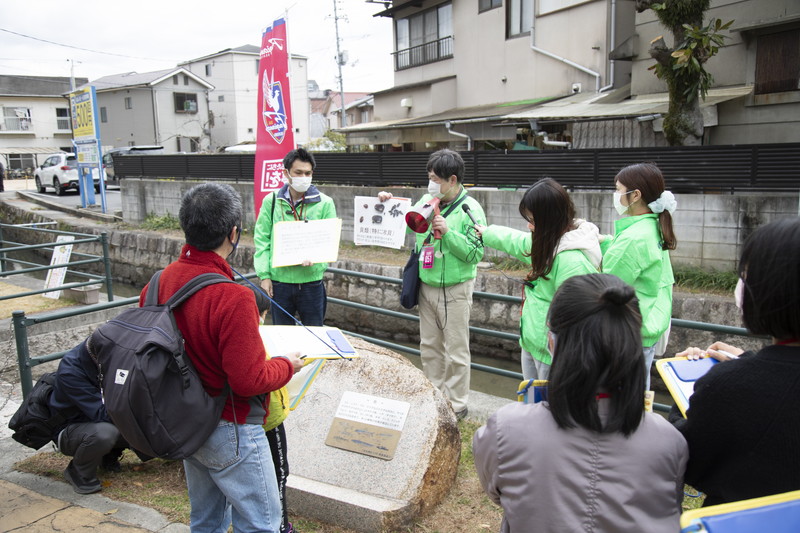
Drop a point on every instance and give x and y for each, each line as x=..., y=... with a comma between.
x=598, y=348
x=770, y=270
x=549, y=208
x=648, y=179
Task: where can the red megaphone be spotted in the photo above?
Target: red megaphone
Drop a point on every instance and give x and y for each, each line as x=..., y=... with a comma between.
x=419, y=219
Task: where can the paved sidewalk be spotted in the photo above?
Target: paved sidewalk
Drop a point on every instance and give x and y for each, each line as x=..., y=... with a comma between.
x=31, y=503
x=19, y=185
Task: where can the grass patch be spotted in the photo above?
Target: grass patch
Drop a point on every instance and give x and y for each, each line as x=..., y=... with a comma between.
x=159, y=223
x=697, y=279
x=30, y=304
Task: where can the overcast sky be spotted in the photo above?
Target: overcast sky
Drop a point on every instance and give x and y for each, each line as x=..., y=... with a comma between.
x=106, y=37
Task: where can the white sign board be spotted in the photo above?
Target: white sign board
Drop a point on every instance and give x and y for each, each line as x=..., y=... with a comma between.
x=316, y=241
x=379, y=223
x=55, y=276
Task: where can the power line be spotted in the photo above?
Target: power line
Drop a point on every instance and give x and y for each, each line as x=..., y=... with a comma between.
x=85, y=49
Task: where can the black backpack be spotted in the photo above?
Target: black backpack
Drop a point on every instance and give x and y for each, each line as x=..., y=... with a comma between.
x=34, y=424
x=151, y=389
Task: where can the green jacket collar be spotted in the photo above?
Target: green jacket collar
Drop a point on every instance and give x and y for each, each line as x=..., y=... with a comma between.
x=626, y=222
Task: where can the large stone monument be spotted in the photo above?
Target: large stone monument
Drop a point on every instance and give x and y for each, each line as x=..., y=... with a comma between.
x=361, y=489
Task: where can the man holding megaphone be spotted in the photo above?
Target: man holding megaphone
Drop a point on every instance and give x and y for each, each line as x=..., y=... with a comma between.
x=449, y=253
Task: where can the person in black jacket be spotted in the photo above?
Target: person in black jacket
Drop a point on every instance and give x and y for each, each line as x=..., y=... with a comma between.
x=88, y=436
x=742, y=425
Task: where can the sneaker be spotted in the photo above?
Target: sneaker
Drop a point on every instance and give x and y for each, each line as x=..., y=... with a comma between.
x=289, y=528
x=462, y=414
x=110, y=463
x=80, y=485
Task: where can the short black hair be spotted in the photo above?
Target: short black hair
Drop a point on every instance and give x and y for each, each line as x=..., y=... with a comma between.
x=598, y=347
x=299, y=153
x=208, y=213
x=770, y=270
x=445, y=163
x=262, y=302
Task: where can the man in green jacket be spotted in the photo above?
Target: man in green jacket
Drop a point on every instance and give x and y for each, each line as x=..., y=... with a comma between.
x=298, y=289
x=448, y=267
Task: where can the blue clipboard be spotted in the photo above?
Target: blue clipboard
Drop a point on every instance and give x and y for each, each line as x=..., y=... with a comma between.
x=778, y=513
x=679, y=375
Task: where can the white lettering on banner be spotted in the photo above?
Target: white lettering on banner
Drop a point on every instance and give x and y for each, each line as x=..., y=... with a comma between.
x=271, y=175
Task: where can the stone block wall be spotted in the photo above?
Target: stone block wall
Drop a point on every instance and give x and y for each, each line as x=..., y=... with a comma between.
x=710, y=228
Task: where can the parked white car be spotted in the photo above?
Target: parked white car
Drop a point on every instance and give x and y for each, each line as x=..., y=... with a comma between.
x=60, y=171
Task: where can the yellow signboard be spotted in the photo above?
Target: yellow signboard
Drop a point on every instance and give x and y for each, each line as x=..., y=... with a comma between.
x=83, y=114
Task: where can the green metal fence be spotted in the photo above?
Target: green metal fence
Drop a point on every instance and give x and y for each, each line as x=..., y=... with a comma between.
x=26, y=362
x=8, y=248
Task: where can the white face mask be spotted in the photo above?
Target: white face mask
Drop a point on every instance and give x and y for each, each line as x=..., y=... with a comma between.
x=300, y=183
x=434, y=189
x=621, y=209
x=738, y=294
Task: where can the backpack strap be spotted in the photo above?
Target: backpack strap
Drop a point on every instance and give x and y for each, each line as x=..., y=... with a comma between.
x=194, y=285
x=151, y=298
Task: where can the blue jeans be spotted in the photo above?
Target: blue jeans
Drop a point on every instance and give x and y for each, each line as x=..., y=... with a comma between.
x=219, y=477
x=649, y=355
x=308, y=300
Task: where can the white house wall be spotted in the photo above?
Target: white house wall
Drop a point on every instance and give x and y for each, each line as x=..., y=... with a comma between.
x=245, y=97
x=483, y=57
x=43, y=132
x=222, y=77
x=172, y=124
x=235, y=77
x=126, y=127
x=301, y=105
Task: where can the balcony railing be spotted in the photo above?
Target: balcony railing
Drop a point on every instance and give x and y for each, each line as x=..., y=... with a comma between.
x=424, y=53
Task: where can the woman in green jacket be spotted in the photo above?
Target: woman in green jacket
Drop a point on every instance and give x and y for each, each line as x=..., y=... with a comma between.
x=638, y=253
x=558, y=246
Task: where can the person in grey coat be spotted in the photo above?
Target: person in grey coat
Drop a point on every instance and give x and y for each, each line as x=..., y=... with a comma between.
x=589, y=458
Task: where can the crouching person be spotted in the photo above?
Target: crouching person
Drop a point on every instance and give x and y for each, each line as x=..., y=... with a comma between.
x=231, y=477
x=88, y=435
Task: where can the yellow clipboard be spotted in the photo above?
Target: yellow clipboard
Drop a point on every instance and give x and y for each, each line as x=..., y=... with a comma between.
x=778, y=513
x=679, y=375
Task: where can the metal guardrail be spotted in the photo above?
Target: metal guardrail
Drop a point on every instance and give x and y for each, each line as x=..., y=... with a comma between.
x=9, y=247
x=21, y=323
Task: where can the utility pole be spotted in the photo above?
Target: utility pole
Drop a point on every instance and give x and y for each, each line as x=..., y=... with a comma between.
x=341, y=59
x=71, y=75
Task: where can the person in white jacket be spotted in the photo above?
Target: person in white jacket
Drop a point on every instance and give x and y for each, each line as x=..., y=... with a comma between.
x=557, y=246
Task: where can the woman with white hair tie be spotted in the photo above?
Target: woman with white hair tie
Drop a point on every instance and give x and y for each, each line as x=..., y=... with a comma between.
x=638, y=253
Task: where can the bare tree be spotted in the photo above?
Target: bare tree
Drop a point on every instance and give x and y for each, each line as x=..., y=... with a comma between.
x=682, y=66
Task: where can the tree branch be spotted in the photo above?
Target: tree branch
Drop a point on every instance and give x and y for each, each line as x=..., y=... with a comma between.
x=660, y=51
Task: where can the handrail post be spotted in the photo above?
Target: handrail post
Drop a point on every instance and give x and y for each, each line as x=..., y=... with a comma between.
x=2, y=254
x=23, y=352
x=107, y=264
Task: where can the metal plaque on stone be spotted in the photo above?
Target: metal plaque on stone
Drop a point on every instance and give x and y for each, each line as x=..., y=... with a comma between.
x=368, y=425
